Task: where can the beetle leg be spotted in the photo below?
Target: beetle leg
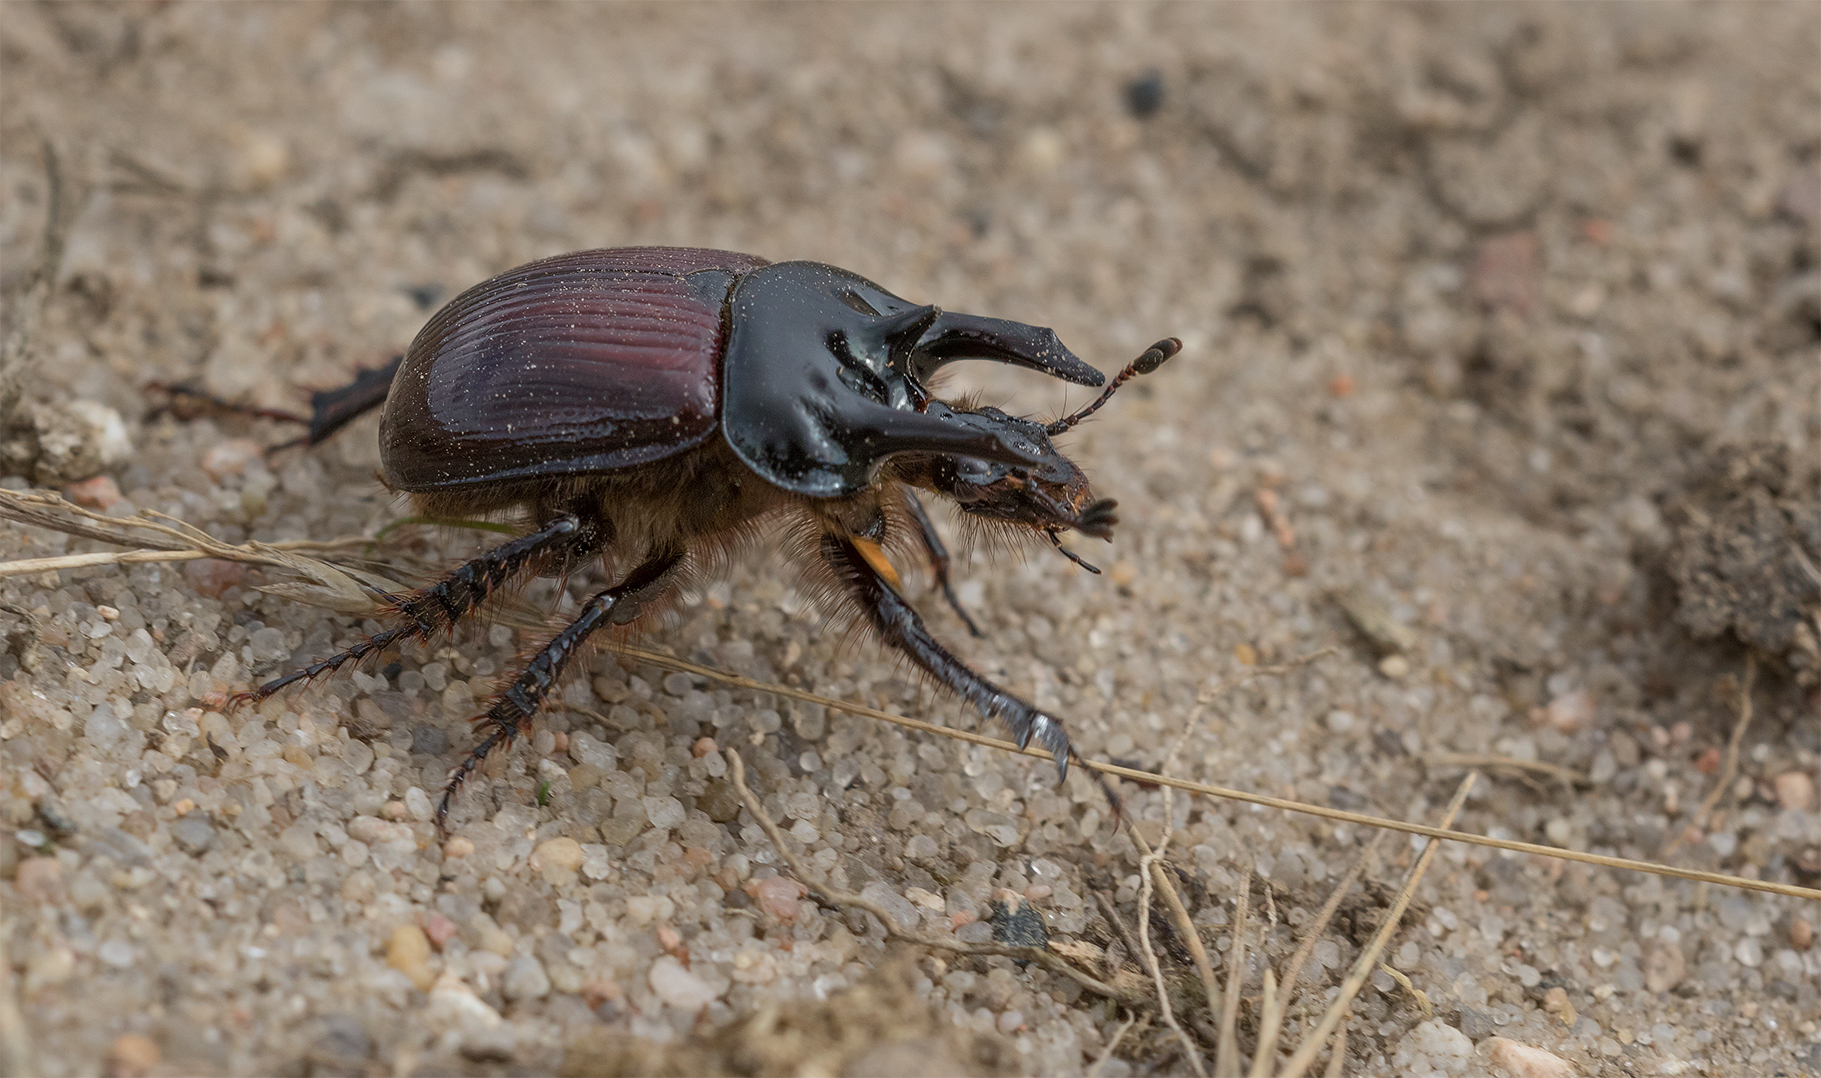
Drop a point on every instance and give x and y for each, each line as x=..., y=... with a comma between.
x=512, y=708
x=938, y=559
x=330, y=409
x=902, y=628
x=441, y=605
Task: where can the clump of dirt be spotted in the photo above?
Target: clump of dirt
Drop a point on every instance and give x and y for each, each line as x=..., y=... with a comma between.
x=1745, y=554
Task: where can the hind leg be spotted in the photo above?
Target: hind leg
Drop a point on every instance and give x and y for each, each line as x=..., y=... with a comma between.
x=330, y=409
x=436, y=608
x=511, y=709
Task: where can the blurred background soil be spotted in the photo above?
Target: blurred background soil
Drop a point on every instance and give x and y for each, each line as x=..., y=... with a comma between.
x=1503, y=331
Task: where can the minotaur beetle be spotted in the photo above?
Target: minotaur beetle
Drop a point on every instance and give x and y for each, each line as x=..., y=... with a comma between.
x=657, y=406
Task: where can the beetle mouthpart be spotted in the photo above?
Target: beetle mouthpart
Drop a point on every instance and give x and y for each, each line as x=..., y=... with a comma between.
x=1098, y=519
x=1056, y=541
x=1152, y=359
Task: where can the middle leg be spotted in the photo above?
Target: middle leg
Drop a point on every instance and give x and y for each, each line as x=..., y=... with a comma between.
x=511, y=709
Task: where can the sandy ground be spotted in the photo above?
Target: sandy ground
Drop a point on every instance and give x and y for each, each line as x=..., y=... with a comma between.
x=1500, y=320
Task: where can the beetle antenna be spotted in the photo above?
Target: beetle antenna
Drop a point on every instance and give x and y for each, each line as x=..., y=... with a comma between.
x=1056, y=539
x=1152, y=359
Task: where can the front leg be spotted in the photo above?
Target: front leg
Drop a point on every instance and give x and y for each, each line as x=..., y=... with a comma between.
x=859, y=563
x=938, y=559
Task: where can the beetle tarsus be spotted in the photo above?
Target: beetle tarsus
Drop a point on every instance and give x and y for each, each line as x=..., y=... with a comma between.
x=515, y=706
x=901, y=627
x=938, y=560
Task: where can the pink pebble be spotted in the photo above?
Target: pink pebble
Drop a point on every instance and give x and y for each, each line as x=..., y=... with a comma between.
x=778, y=896
x=212, y=576
x=100, y=492
x=440, y=929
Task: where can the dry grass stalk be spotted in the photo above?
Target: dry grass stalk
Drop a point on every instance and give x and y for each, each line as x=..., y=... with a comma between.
x=342, y=588
x=1226, y=1050
x=1484, y=760
x=669, y=662
x=1368, y=960
x=1152, y=863
x=1271, y=1018
x=362, y=591
x=1403, y=980
x=1337, y=1058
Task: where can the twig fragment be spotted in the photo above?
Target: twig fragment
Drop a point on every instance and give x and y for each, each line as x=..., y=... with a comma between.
x=1421, y=997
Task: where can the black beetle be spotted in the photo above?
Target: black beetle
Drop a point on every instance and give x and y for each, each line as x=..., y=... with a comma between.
x=657, y=406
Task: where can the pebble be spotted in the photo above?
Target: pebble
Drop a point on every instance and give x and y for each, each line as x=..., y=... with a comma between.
x=439, y=929
x=678, y=987
x=49, y=968
x=1523, y=1061
x=39, y=879
x=132, y=1055
x=1801, y=933
x=1569, y=712
x=457, y=848
x=1447, y=1048
x=525, y=979
x=778, y=896
x=453, y=1005
x=1795, y=790
x=720, y=801
x=1395, y=667
x=409, y=953
x=664, y=812
x=194, y=834
x=562, y=854
x=213, y=576
x=1664, y=967
x=100, y=492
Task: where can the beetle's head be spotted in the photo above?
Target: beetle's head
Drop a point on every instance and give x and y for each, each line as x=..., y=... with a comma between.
x=1046, y=492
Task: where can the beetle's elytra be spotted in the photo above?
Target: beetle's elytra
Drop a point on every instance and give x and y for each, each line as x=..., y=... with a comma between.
x=655, y=406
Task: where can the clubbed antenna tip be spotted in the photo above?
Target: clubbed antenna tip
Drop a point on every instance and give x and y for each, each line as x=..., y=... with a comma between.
x=1152, y=358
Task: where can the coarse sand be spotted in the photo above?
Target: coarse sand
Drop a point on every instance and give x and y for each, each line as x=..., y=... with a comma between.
x=1502, y=380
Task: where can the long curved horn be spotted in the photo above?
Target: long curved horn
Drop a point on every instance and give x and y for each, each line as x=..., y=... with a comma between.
x=885, y=431
x=954, y=336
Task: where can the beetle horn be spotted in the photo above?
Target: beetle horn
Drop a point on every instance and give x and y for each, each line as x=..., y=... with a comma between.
x=953, y=336
x=940, y=429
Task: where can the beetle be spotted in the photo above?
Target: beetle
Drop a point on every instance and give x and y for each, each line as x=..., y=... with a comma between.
x=656, y=407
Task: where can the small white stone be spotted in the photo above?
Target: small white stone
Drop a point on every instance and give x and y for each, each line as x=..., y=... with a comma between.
x=678, y=987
